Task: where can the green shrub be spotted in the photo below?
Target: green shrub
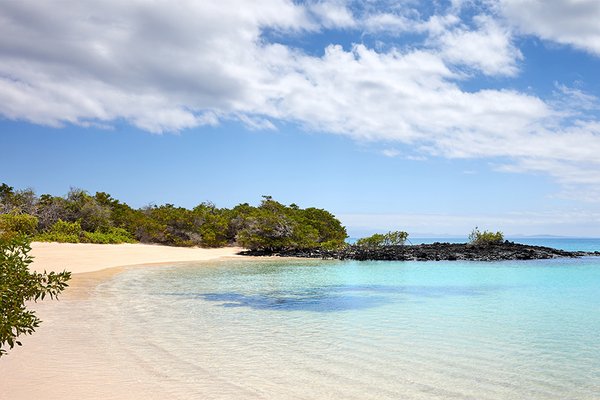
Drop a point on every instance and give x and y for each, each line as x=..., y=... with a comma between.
x=62, y=232
x=392, y=238
x=17, y=286
x=485, y=237
x=71, y=232
x=19, y=223
x=108, y=236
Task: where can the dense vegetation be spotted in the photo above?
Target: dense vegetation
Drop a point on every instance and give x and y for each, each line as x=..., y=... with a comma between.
x=486, y=237
x=80, y=217
x=18, y=285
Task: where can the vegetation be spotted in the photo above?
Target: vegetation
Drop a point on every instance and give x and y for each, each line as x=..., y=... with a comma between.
x=18, y=223
x=80, y=217
x=395, y=238
x=18, y=285
x=486, y=237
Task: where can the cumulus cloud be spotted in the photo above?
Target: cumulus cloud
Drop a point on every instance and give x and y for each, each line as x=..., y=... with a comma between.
x=159, y=65
x=489, y=48
x=571, y=22
x=333, y=14
x=165, y=66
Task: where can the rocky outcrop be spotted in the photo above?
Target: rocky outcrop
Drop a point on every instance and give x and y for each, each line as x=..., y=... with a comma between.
x=432, y=252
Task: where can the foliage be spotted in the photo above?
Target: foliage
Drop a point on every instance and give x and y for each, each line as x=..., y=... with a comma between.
x=72, y=232
x=18, y=285
x=486, y=237
x=18, y=223
x=107, y=236
x=62, y=232
x=169, y=225
x=16, y=201
x=392, y=238
x=213, y=225
x=274, y=226
x=81, y=217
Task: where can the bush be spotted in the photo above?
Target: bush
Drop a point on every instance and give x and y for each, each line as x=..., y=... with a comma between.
x=19, y=223
x=393, y=238
x=71, y=232
x=108, y=236
x=485, y=237
x=62, y=232
x=18, y=285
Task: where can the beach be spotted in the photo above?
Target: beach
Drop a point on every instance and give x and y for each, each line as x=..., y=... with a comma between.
x=86, y=257
x=234, y=327
x=43, y=367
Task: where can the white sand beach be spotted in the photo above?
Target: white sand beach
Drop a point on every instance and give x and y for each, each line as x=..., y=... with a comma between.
x=85, y=257
x=82, y=371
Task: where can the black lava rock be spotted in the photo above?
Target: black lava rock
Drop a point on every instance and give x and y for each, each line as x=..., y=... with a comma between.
x=431, y=252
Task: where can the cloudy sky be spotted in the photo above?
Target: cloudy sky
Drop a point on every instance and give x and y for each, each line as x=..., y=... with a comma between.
x=430, y=116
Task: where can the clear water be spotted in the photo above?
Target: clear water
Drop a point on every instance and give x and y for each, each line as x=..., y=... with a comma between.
x=326, y=330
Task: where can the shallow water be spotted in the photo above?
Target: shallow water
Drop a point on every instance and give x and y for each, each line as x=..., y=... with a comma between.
x=319, y=330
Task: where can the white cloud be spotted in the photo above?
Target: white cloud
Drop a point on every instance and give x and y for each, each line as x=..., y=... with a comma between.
x=333, y=14
x=160, y=66
x=489, y=48
x=390, y=153
x=571, y=22
x=165, y=66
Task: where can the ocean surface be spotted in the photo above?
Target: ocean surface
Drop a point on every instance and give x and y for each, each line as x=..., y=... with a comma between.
x=275, y=329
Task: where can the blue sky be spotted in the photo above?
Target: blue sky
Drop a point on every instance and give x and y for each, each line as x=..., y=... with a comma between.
x=431, y=117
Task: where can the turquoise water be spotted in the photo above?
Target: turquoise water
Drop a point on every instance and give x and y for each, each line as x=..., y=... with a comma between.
x=366, y=330
x=312, y=329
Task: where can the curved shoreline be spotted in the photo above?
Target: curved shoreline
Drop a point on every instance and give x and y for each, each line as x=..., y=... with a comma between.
x=79, y=258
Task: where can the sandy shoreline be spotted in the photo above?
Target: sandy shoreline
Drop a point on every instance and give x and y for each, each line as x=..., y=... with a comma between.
x=68, y=356
x=85, y=257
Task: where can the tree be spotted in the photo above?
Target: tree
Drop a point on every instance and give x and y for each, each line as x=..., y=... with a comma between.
x=275, y=226
x=81, y=217
x=267, y=227
x=18, y=285
x=213, y=224
x=16, y=202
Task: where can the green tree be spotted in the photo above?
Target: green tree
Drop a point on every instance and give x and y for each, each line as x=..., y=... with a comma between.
x=18, y=285
x=213, y=225
x=274, y=226
x=49, y=209
x=267, y=227
x=80, y=217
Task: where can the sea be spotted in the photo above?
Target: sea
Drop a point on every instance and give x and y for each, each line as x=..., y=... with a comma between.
x=314, y=329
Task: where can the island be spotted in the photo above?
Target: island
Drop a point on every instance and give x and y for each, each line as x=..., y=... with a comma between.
x=500, y=251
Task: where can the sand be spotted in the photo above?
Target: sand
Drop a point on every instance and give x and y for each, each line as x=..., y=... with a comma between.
x=71, y=355
x=84, y=257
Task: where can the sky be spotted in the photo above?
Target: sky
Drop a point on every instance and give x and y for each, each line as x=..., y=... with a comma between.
x=430, y=117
